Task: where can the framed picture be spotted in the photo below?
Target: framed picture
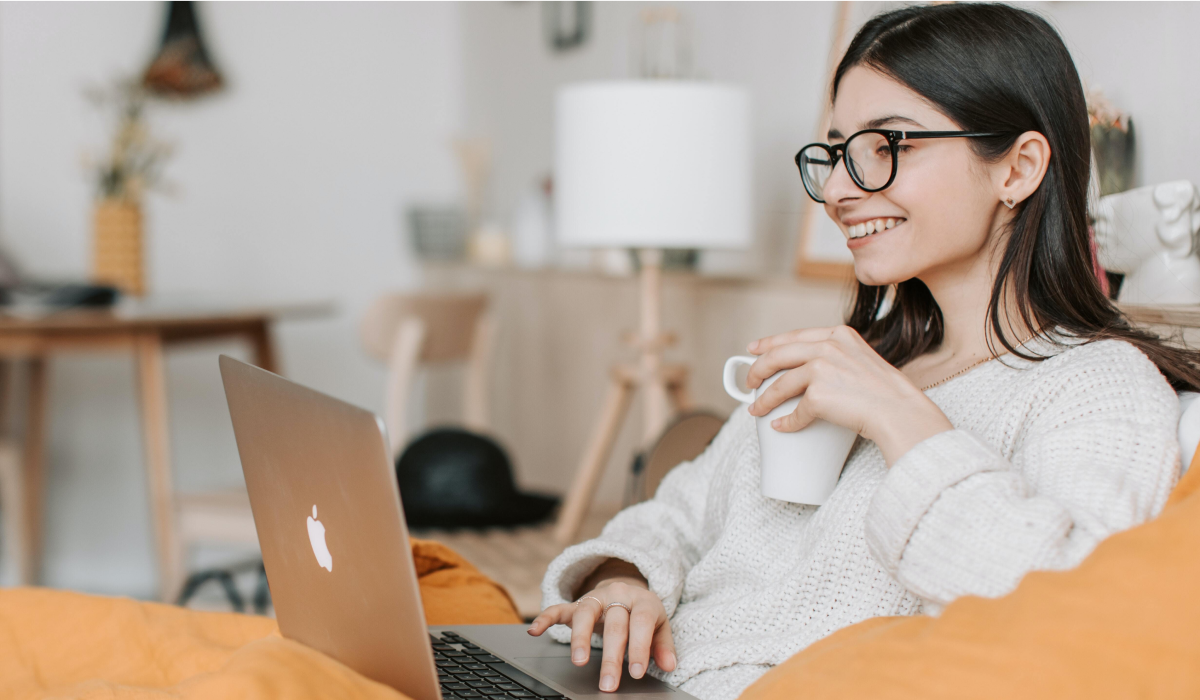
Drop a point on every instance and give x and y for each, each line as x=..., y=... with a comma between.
x=821, y=250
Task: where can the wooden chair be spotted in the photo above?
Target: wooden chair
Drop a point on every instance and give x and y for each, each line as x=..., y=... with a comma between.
x=684, y=439
x=405, y=331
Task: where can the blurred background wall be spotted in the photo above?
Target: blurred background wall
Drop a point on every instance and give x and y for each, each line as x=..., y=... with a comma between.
x=1138, y=52
x=292, y=183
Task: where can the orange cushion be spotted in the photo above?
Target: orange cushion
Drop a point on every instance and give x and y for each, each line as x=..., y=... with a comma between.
x=1124, y=624
x=455, y=593
x=70, y=645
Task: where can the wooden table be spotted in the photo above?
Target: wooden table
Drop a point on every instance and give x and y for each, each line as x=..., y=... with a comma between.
x=146, y=329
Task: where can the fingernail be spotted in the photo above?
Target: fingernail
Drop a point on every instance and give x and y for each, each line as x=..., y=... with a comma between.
x=777, y=423
x=671, y=658
x=635, y=670
x=608, y=683
x=579, y=656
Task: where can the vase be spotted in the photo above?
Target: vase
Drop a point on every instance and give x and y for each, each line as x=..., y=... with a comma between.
x=1113, y=148
x=117, y=246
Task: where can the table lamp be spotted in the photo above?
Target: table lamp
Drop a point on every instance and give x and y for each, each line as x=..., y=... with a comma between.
x=649, y=165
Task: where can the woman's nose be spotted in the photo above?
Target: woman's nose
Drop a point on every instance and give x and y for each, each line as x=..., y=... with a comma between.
x=839, y=188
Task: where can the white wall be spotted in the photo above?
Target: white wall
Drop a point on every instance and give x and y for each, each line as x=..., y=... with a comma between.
x=776, y=50
x=1141, y=53
x=291, y=186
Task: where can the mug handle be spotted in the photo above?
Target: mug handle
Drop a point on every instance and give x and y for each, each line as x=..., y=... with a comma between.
x=729, y=377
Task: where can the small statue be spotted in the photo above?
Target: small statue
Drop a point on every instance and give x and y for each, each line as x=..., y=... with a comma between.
x=1150, y=235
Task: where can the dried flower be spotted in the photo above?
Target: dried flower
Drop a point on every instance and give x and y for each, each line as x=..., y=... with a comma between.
x=1102, y=112
x=135, y=158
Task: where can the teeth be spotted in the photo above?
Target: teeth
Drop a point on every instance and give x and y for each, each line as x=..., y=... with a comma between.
x=873, y=226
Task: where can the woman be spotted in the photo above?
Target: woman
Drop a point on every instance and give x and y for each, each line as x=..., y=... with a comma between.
x=1010, y=418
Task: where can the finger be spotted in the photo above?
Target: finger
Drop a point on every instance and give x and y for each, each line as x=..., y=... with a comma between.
x=641, y=633
x=560, y=614
x=792, y=384
x=784, y=357
x=763, y=345
x=582, y=622
x=798, y=419
x=663, y=647
x=616, y=632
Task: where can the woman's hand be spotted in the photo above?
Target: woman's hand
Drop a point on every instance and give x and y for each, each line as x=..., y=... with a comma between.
x=844, y=381
x=645, y=631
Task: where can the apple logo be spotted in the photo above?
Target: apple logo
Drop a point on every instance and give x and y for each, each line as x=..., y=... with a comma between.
x=316, y=535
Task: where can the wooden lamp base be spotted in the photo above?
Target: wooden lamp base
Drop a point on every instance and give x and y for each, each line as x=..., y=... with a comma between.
x=660, y=384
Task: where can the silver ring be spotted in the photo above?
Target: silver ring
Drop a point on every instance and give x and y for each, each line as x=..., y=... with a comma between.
x=619, y=605
x=601, y=602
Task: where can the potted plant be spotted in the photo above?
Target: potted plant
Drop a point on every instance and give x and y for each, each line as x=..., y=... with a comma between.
x=131, y=166
x=1112, y=144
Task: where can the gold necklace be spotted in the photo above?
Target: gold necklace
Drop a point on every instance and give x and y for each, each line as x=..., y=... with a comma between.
x=964, y=370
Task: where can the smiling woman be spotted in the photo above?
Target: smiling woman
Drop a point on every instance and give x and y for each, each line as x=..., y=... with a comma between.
x=1009, y=418
x=1025, y=145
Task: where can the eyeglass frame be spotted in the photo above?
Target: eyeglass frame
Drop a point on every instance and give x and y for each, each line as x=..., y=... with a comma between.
x=894, y=137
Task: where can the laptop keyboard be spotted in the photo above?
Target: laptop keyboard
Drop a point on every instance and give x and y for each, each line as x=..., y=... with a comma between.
x=468, y=671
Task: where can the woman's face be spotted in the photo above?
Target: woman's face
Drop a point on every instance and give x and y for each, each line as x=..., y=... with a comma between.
x=942, y=202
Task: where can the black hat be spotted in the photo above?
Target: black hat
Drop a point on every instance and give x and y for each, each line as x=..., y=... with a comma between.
x=451, y=478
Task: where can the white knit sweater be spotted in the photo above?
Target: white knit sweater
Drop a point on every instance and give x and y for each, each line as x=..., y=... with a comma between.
x=1046, y=460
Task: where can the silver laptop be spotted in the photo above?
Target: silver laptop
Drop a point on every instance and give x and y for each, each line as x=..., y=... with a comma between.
x=335, y=546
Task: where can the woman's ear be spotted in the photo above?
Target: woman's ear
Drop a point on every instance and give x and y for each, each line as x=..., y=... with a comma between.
x=1021, y=171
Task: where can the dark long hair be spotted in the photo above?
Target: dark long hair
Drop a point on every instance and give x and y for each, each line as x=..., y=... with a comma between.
x=996, y=68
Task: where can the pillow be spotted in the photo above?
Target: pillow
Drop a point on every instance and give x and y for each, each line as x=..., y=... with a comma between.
x=1189, y=426
x=69, y=645
x=1124, y=624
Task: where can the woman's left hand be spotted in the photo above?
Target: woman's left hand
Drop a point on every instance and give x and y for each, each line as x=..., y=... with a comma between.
x=844, y=381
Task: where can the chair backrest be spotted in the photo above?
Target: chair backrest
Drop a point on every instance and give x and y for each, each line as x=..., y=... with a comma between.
x=405, y=331
x=684, y=439
x=450, y=324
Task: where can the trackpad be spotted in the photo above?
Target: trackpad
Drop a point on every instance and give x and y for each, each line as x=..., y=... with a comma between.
x=585, y=680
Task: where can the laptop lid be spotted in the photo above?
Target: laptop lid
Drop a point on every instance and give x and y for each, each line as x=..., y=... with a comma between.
x=330, y=525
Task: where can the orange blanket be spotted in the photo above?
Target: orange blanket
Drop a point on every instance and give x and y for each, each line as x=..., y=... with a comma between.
x=1124, y=624
x=68, y=645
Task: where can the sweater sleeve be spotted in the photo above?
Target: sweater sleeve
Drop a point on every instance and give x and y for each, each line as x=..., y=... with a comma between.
x=955, y=516
x=665, y=536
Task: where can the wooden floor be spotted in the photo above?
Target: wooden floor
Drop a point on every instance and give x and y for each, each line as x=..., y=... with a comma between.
x=517, y=558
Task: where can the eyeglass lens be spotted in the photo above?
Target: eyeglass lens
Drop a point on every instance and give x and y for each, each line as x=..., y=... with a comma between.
x=868, y=159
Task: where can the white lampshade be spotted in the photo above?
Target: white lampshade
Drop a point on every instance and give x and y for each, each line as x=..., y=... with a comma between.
x=652, y=164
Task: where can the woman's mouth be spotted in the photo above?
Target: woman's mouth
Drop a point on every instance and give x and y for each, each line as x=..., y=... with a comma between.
x=869, y=228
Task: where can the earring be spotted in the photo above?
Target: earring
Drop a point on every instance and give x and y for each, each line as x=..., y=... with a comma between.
x=1010, y=203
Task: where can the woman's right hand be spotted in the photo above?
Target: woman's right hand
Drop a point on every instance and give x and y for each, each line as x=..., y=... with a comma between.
x=645, y=631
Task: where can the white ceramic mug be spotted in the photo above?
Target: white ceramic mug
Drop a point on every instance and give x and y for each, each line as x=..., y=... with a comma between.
x=799, y=467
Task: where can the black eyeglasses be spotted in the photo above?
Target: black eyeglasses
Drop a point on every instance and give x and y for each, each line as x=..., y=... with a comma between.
x=870, y=158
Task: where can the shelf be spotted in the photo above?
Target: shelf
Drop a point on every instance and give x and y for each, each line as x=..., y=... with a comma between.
x=1182, y=315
